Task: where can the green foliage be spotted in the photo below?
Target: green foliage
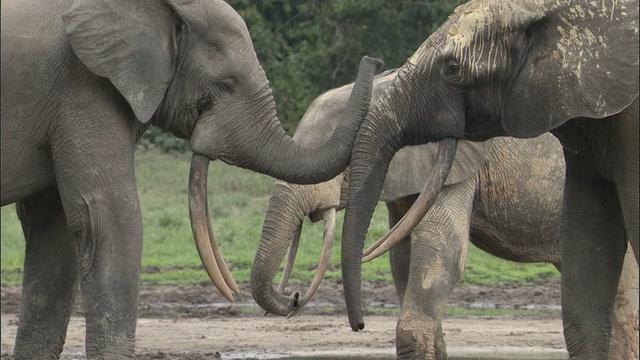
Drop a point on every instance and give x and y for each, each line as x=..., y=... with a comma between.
x=307, y=47
x=237, y=202
x=12, y=246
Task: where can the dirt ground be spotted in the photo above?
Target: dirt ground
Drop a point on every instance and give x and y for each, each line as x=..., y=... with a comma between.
x=195, y=322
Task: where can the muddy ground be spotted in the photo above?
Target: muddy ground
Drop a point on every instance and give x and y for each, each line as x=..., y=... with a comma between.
x=195, y=322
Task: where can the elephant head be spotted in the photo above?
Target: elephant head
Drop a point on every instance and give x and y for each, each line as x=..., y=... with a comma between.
x=189, y=67
x=290, y=203
x=495, y=68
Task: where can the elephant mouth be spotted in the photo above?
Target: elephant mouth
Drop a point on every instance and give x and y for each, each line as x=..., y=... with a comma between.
x=208, y=250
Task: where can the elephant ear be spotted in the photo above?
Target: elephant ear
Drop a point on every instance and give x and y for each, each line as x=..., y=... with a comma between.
x=411, y=165
x=581, y=60
x=132, y=43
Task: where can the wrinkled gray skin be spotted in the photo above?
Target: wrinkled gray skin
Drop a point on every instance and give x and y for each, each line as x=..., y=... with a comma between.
x=81, y=81
x=504, y=195
x=522, y=68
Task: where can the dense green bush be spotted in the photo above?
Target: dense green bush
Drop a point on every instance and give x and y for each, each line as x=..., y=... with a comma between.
x=307, y=46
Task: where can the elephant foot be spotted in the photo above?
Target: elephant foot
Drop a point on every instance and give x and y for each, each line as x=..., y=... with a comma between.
x=416, y=338
x=624, y=338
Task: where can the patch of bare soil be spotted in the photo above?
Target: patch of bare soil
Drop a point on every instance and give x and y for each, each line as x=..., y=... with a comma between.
x=195, y=322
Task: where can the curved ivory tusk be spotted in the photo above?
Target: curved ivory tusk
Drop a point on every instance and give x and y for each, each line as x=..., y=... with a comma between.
x=226, y=273
x=200, y=223
x=376, y=245
x=323, y=264
x=444, y=160
x=293, y=251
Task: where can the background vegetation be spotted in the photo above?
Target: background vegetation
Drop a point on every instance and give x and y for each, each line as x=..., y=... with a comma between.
x=237, y=201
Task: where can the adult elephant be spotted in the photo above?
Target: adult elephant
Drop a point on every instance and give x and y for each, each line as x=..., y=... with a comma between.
x=522, y=68
x=504, y=195
x=81, y=81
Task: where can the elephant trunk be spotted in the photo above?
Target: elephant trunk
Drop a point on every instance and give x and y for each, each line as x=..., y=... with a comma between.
x=265, y=147
x=370, y=160
x=271, y=151
x=282, y=224
x=378, y=140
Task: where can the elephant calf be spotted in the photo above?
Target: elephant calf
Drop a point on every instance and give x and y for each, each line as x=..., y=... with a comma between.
x=504, y=195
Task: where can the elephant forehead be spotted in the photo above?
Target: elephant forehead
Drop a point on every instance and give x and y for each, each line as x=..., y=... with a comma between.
x=477, y=22
x=475, y=16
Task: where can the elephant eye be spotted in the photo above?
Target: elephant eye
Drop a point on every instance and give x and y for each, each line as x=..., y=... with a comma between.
x=228, y=85
x=205, y=103
x=452, y=69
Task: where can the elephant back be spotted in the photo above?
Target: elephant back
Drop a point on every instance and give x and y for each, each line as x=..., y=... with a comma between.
x=322, y=116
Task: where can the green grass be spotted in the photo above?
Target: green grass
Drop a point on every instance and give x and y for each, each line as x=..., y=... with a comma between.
x=237, y=201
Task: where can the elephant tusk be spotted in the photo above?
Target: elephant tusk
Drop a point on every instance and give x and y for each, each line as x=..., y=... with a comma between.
x=201, y=227
x=323, y=263
x=224, y=269
x=376, y=245
x=293, y=251
x=444, y=160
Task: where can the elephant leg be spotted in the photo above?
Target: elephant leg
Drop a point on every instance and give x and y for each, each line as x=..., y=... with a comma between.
x=629, y=200
x=50, y=278
x=98, y=191
x=626, y=173
x=440, y=348
x=109, y=235
x=624, y=324
x=400, y=255
x=438, y=255
x=592, y=246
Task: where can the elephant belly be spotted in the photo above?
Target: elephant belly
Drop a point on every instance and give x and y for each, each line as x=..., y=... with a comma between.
x=24, y=174
x=517, y=207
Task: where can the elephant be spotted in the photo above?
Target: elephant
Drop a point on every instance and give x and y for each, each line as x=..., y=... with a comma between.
x=521, y=68
x=81, y=81
x=504, y=195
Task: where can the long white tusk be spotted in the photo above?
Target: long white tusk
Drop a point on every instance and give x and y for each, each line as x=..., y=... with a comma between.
x=429, y=194
x=201, y=226
x=293, y=251
x=226, y=273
